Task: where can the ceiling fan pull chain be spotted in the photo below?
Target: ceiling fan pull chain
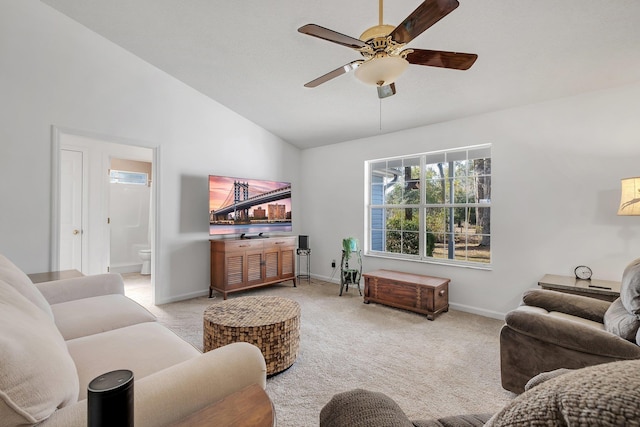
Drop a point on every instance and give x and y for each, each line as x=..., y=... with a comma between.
x=380, y=99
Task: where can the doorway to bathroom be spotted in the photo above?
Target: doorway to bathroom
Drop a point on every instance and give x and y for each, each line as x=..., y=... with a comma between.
x=129, y=216
x=99, y=203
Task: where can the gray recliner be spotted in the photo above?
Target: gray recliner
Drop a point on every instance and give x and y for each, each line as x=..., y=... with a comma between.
x=552, y=330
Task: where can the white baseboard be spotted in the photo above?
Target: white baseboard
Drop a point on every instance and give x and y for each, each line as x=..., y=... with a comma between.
x=125, y=268
x=327, y=279
x=475, y=310
x=183, y=297
x=454, y=306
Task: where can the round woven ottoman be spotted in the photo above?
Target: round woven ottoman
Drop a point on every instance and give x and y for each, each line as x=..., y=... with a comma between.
x=270, y=323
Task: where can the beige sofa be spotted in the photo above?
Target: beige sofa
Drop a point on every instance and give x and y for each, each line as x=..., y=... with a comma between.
x=55, y=337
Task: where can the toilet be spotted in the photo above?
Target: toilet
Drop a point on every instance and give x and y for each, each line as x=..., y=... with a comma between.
x=145, y=256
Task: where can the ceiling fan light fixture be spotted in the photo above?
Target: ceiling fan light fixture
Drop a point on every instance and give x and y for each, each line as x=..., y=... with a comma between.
x=382, y=70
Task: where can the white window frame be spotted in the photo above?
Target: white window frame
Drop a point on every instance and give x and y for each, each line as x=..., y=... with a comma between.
x=128, y=177
x=376, y=236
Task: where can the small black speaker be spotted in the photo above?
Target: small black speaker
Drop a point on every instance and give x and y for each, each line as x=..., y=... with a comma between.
x=110, y=399
x=303, y=242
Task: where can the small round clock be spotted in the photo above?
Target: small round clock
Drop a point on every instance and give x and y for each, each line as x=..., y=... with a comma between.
x=583, y=272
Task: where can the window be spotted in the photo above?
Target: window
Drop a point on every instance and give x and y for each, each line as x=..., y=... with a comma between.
x=123, y=177
x=431, y=207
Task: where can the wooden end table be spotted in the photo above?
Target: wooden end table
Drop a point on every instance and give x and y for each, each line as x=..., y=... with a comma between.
x=54, y=275
x=606, y=290
x=249, y=407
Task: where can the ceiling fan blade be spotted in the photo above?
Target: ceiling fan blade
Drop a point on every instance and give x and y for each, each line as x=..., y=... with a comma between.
x=438, y=58
x=335, y=73
x=332, y=36
x=427, y=14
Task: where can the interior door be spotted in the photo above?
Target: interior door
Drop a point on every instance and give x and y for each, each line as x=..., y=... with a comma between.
x=71, y=181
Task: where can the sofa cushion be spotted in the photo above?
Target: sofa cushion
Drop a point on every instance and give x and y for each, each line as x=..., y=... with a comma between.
x=143, y=348
x=362, y=408
x=630, y=287
x=608, y=393
x=577, y=319
x=37, y=374
x=576, y=305
x=619, y=321
x=88, y=316
x=15, y=277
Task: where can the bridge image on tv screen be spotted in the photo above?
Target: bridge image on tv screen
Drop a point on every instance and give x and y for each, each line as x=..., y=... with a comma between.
x=248, y=206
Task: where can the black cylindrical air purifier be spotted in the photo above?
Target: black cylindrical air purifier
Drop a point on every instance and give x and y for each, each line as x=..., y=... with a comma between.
x=110, y=399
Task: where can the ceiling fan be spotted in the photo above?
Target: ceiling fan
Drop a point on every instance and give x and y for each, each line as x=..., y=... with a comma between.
x=383, y=48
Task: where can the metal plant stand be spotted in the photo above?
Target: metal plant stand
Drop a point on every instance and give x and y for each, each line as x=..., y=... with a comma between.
x=350, y=276
x=306, y=253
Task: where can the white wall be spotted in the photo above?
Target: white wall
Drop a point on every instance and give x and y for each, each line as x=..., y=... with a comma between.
x=54, y=71
x=556, y=180
x=556, y=166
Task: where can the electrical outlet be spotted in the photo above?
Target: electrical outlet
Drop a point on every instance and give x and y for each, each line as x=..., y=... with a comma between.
x=333, y=264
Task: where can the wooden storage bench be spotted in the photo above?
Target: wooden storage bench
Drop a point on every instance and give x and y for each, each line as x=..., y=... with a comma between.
x=421, y=294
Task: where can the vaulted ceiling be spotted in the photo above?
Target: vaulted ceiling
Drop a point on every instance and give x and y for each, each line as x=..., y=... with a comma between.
x=248, y=56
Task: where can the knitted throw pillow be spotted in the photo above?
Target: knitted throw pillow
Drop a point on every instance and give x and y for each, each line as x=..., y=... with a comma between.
x=606, y=394
x=362, y=408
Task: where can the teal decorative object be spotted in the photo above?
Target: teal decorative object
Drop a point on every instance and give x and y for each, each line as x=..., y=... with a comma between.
x=350, y=275
x=349, y=244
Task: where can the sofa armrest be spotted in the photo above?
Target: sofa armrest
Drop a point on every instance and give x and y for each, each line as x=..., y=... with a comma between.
x=576, y=305
x=58, y=291
x=570, y=334
x=172, y=394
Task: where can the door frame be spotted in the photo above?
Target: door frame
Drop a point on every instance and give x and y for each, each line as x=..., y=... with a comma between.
x=57, y=143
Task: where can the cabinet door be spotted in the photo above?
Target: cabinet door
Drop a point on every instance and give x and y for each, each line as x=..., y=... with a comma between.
x=288, y=263
x=255, y=261
x=272, y=263
x=235, y=276
x=280, y=260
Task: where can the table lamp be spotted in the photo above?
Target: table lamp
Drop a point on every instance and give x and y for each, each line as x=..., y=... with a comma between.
x=630, y=196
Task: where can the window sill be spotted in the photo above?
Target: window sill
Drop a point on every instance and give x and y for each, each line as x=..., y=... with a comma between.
x=435, y=261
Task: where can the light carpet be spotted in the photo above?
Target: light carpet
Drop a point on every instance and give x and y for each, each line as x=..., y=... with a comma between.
x=448, y=366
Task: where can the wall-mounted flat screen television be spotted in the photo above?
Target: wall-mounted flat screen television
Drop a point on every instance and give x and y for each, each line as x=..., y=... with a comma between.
x=248, y=206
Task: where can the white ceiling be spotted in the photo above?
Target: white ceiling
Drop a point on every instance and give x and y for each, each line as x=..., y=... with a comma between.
x=248, y=56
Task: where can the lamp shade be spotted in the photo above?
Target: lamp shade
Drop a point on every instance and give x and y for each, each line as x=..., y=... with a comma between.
x=382, y=70
x=630, y=197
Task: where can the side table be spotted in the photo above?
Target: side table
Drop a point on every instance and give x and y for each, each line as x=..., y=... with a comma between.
x=270, y=323
x=249, y=407
x=606, y=290
x=54, y=275
x=307, y=254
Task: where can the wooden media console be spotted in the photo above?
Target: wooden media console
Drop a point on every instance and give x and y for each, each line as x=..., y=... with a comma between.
x=421, y=294
x=240, y=264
